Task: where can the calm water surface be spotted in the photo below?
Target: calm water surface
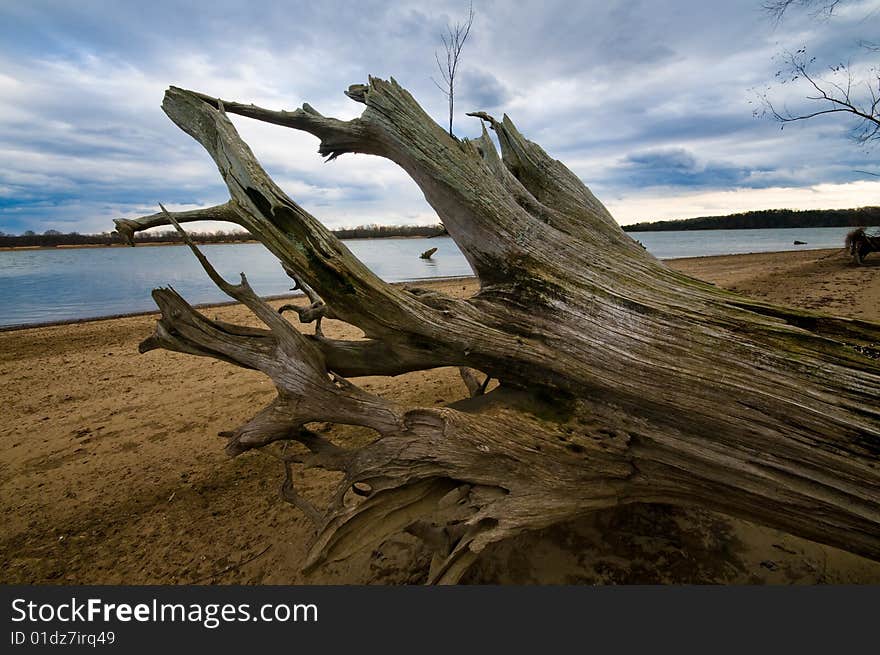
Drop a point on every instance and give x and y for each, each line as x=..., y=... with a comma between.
x=38, y=286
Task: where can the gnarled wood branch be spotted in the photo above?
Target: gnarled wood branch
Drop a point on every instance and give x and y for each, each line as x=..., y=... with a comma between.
x=620, y=380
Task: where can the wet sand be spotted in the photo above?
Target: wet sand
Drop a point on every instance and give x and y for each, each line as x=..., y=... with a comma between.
x=111, y=471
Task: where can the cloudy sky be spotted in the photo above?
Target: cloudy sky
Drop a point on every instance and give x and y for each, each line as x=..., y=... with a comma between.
x=647, y=101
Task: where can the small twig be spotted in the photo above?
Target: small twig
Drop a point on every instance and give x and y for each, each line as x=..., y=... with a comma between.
x=232, y=567
x=317, y=310
x=289, y=493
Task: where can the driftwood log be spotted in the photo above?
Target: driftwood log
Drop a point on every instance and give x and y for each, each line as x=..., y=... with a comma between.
x=860, y=244
x=619, y=380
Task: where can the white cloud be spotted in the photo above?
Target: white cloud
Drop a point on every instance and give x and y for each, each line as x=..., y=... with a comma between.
x=82, y=138
x=674, y=205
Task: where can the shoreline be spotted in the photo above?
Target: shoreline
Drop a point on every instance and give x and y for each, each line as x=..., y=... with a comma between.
x=150, y=244
x=77, y=246
x=828, y=252
x=113, y=472
x=122, y=244
x=206, y=305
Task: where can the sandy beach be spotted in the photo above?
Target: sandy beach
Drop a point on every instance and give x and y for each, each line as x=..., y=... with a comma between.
x=112, y=471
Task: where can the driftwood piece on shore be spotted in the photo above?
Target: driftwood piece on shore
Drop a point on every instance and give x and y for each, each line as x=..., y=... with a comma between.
x=619, y=380
x=475, y=382
x=860, y=244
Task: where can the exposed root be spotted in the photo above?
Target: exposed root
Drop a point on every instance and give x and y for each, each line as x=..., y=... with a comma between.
x=620, y=380
x=127, y=227
x=860, y=244
x=471, y=378
x=314, y=312
x=288, y=492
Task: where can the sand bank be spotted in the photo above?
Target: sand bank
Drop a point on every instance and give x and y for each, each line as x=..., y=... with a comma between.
x=111, y=471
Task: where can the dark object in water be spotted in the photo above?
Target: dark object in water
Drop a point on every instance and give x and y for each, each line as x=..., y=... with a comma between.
x=427, y=254
x=799, y=243
x=860, y=244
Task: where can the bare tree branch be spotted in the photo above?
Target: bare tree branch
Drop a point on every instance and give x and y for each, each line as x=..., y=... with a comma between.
x=859, y=100
x=453, y=42
x=819, y=8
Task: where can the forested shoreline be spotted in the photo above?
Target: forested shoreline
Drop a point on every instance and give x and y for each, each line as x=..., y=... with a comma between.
x=767, y=218
x=54, y=238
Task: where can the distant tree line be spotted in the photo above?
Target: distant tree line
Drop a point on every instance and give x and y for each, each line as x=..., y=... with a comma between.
x=381, y=231
x=54, y=238
x=768, y=218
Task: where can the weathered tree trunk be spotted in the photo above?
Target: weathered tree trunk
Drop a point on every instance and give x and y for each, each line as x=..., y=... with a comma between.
x=620, y=380
x=860, y=245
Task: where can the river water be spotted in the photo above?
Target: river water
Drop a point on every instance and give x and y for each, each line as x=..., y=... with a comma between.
x=38, y=286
